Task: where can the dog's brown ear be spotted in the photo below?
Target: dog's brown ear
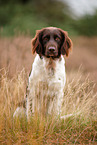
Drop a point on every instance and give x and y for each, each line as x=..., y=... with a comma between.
x=36, y=43
x=67, y=43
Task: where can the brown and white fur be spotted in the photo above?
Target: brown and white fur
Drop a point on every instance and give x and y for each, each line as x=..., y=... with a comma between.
x=47, y=78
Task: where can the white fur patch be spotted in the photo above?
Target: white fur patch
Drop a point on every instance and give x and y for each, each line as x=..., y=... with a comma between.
x=19, y=112
x=48, y=83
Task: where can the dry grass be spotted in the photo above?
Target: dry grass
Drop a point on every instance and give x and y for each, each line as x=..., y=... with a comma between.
x=15, y=54
x=78, y=97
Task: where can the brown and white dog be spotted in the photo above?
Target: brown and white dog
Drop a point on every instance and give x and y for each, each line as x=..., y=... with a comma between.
x=47, y=78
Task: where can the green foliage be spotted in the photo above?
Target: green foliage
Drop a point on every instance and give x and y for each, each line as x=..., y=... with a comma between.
x=34, y=15
x=26, y=16
x=6, y=14
x=86, y=25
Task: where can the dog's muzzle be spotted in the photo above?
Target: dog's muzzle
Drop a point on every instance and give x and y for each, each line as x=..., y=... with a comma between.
x=51, y=51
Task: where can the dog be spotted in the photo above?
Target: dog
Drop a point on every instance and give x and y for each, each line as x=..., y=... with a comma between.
x=47, y=78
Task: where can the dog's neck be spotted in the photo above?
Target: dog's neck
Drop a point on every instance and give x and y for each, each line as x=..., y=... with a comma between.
x=50, y=65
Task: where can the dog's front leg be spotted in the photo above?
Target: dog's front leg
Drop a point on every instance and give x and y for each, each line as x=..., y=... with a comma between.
x=28, y=108
x=59, y=104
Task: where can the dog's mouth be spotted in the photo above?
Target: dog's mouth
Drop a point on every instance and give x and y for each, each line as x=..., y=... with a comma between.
x=49, y=54
x=51, y=51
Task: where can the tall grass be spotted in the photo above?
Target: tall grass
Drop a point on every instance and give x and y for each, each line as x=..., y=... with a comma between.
x=79, y=99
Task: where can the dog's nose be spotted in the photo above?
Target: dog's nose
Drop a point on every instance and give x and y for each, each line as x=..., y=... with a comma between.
x=51, y=48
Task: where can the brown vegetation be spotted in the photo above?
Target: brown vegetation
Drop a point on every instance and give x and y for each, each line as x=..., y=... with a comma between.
x=79, y=96
x=15, y=54
x=79, y=99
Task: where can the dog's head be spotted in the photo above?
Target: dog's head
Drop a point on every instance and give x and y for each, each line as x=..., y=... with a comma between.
x=51, y=42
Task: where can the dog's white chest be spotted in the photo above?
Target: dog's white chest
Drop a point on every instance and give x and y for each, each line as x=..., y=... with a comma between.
x=46, y=84
x=52, y=76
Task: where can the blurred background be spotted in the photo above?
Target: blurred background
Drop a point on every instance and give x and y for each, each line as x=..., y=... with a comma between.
x=20, y=19
x=25, y=16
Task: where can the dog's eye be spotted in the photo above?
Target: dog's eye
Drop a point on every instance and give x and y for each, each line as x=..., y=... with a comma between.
x=46, y=39
x=57, y=39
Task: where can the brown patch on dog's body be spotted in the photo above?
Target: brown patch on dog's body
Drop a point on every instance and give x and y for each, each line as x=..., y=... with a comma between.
x=50, y=66
x=22, y=103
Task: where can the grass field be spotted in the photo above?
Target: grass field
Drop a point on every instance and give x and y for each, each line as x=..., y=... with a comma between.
x=80, y=95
